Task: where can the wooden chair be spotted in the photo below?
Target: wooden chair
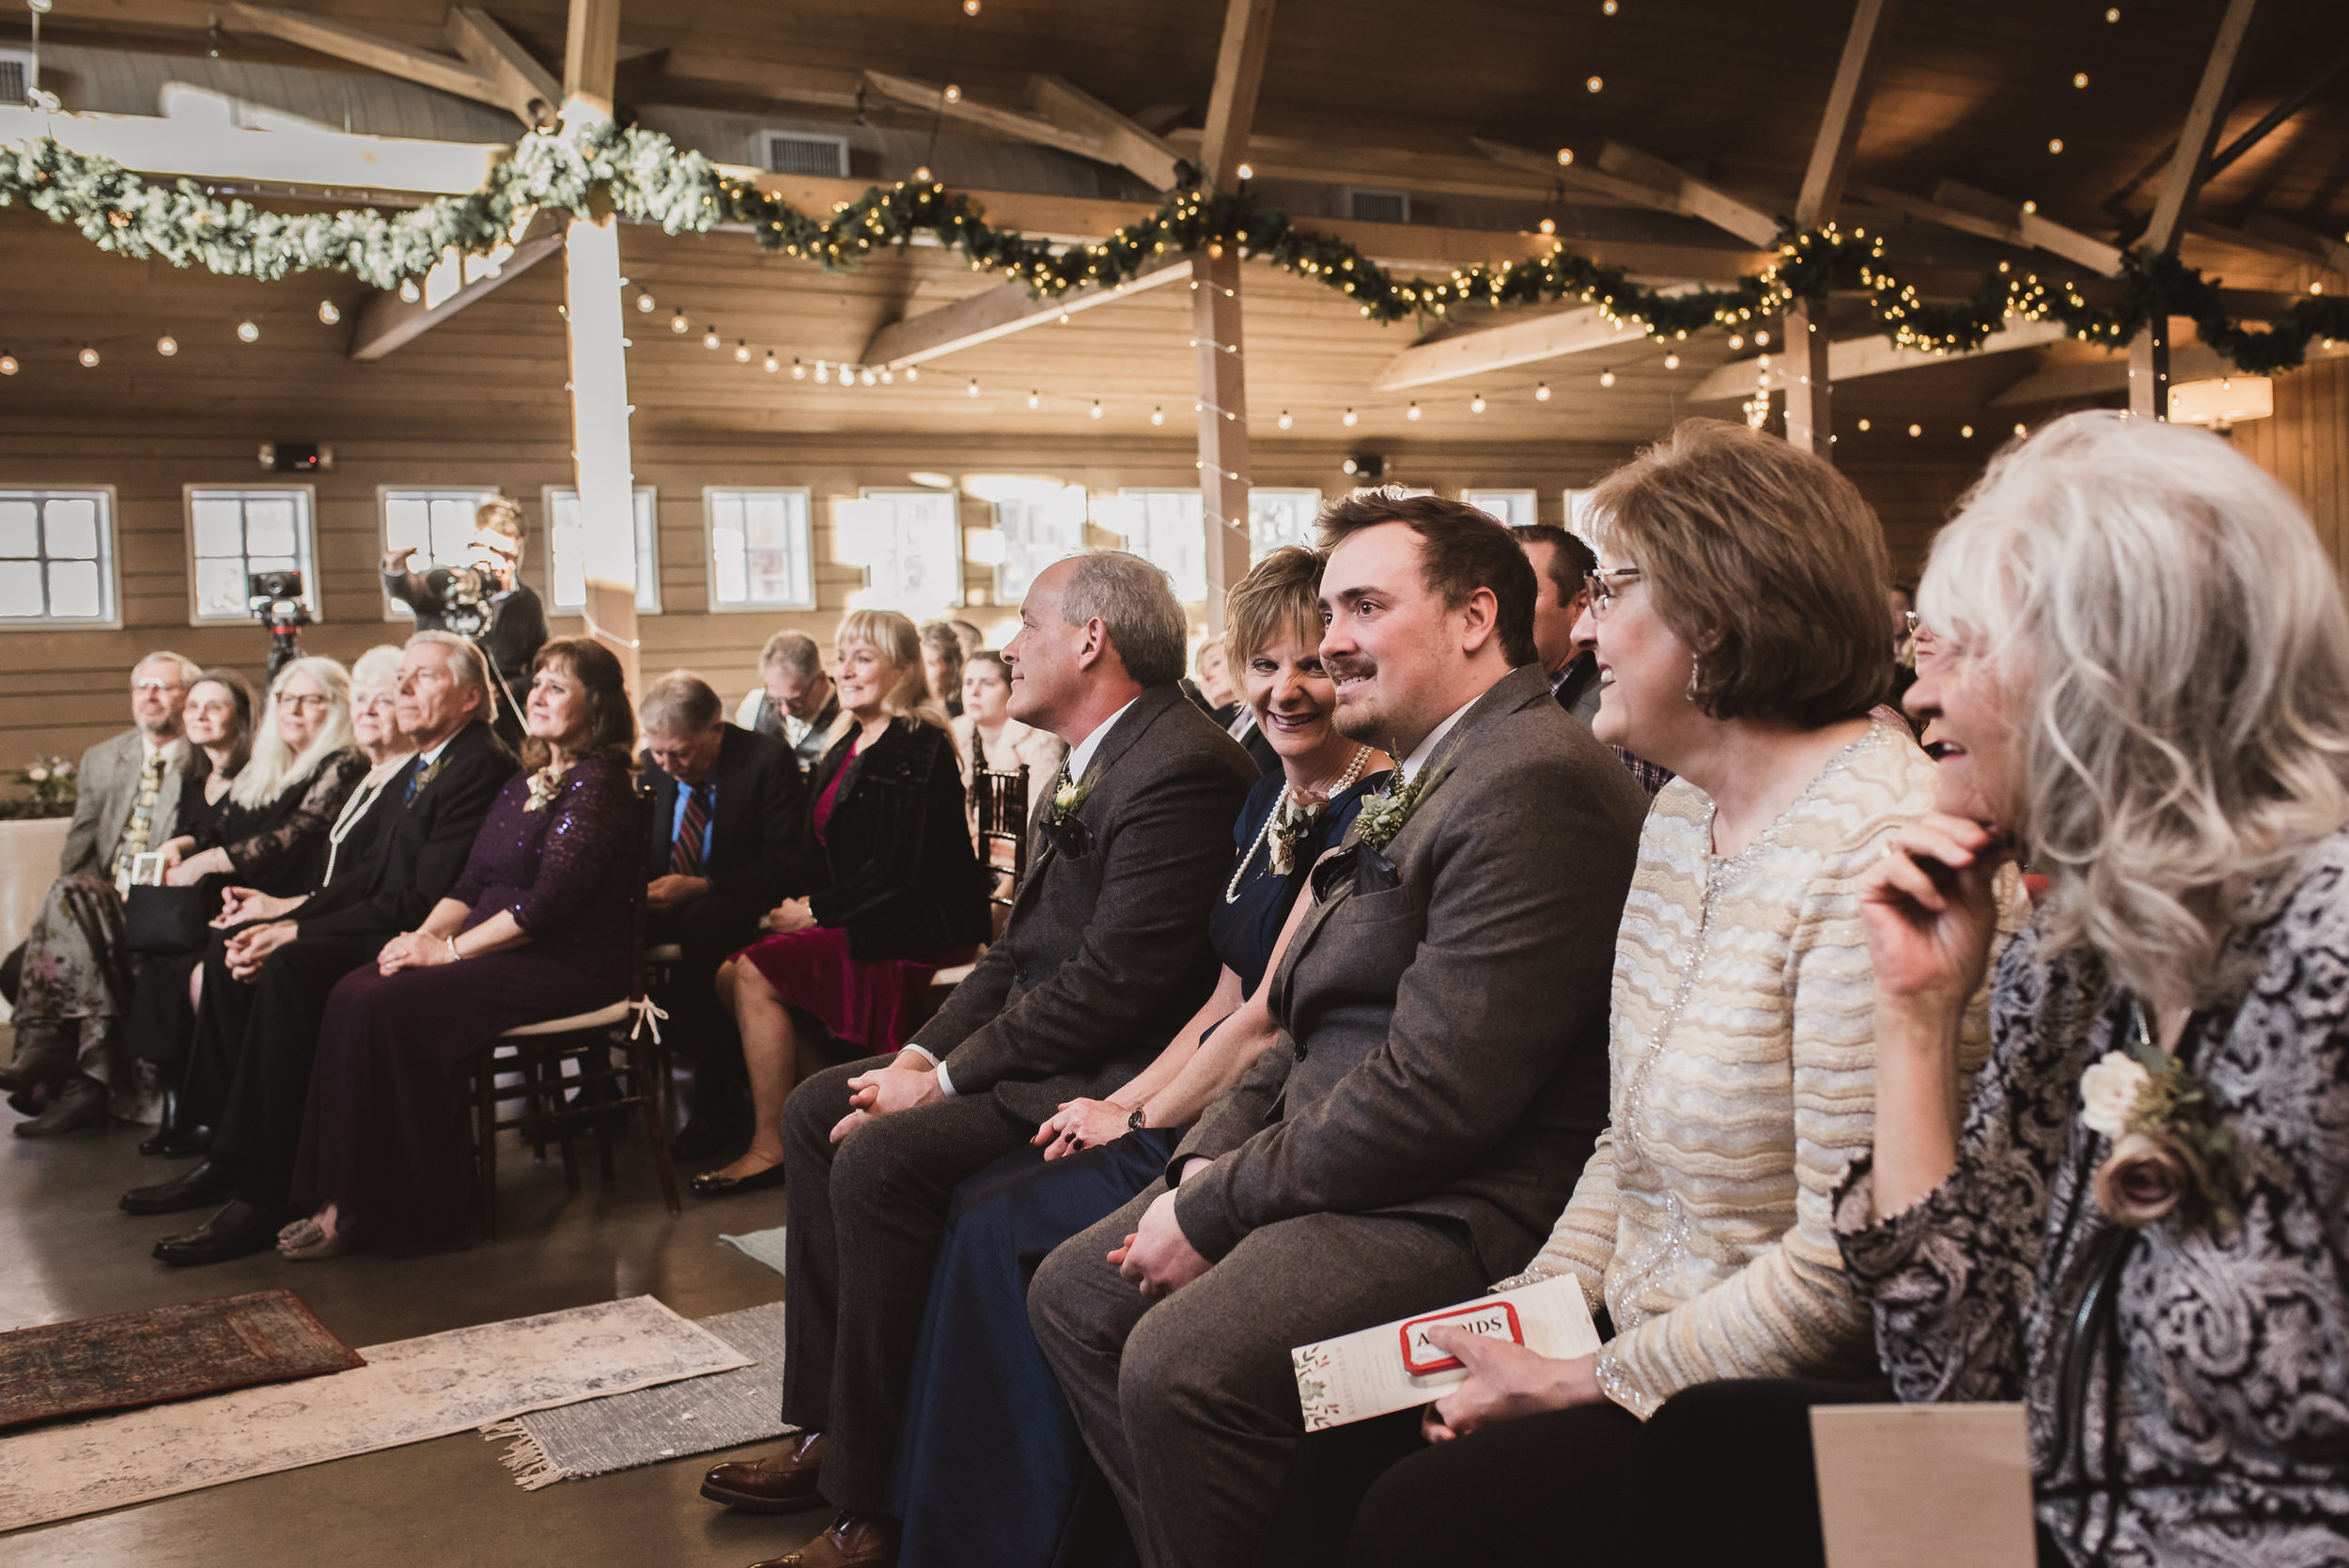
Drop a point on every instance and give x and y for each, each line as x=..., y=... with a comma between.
x=536, y=1055
x=1001, y=810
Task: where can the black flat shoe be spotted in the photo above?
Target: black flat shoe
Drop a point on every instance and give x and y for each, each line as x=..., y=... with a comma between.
x=199, y=1186
x=236, y=1231
x=712, y=1185
x=79, y=1107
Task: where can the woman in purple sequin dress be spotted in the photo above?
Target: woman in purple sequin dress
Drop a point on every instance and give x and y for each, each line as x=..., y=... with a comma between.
x=539, y=927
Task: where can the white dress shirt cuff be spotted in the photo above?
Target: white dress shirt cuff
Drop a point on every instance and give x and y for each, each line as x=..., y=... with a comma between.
x=945, y=1083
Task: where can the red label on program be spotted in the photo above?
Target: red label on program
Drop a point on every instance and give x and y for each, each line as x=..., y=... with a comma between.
x=1495, y=1320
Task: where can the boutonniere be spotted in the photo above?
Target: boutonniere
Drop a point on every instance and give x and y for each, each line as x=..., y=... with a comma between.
x=1293, y=824
x=1068, y=797
x=2170, y=1148
x=1383, y=815
x=426, y=774
x=1061, y=826
x=543, y=784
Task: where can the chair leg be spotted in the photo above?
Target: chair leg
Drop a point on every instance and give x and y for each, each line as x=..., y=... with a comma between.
x=640, y=1064
x=602, y=1118
x=558, y=1115
x=486, y=1117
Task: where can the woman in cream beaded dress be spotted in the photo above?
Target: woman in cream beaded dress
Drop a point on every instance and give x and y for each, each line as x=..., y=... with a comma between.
x=1739, y=620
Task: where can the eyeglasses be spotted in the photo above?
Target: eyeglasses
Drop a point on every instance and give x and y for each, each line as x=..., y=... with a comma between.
x=1607, y=586
x=154, y=686
x=307, y=699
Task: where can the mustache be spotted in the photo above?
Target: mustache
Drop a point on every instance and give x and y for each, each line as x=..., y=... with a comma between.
x=1349, y=666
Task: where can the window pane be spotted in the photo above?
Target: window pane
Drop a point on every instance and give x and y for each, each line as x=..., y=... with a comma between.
x=74, y=589
x=19, y=528
x=72, y=523
x=19, y=588
x=220, y=587
x=452, y=528
x=764, y=526
x=759, y=546
x=219, y=524
x=270, y=526
x=647, y=554
x=1173, y=538
x=407, y=524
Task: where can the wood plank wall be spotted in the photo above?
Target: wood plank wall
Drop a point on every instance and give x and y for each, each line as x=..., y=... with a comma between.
x=2306, y=446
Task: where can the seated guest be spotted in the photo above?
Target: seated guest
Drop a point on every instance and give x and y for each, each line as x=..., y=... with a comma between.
x=899, y=896
x=217, y=725
x=730, y=840
x=1012, y=1503
x=1564, y=563
x=987, y=737
x=1740, y=616
x=266, y=986
x=974, y=641
x=540, y=924
x=375, y=728
x=1106, y=956
x=2137, y=1227
x=1446, y=998
x=942, y=666
x=69, y=980
x=795, y=702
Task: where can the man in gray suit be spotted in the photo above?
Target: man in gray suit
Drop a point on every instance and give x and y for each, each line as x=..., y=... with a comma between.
x=1441, y=1075
x=1105, y=956
x=127, y=800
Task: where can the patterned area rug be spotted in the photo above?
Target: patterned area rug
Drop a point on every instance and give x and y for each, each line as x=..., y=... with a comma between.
x=131, y=1358
x=759, y=1246
x=698, y=1416
x=409, y=1391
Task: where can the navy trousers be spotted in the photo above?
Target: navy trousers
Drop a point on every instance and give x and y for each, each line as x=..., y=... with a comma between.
x=992, y=1467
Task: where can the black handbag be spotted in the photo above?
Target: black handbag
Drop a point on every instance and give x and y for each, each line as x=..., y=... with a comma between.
x=161, y=920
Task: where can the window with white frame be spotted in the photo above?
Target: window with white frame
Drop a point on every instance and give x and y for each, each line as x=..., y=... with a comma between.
x=566, y=553
x=437, y=524
x=1168, y=529
x=1278, y=516
x=1513, y=508
x=235, y=533
x=1037, y=525
x=760, y=558
x=908, y=542
x=1579, y=514
x=56, y=558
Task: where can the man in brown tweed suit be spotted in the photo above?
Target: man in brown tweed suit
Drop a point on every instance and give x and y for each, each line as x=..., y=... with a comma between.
x=1105, y=956
x=1442, y=1069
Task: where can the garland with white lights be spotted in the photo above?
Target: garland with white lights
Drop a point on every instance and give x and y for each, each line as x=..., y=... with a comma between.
x=641, y=175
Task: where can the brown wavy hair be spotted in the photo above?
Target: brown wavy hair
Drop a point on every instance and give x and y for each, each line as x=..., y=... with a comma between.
x=612, y=717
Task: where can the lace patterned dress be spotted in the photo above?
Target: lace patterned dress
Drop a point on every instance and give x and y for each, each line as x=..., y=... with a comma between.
x=2195, y=1409
x=385, y=1136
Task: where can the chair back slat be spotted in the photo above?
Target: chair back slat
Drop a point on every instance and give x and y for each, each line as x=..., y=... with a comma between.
x=1002, y=818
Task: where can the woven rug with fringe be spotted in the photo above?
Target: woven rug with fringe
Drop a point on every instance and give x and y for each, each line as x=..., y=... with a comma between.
x=409, y=1391
x=144, y=1357
x=700, y=1415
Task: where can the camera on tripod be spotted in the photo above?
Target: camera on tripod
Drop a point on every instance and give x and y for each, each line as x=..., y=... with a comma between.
x=275, y=599
x=464, y=593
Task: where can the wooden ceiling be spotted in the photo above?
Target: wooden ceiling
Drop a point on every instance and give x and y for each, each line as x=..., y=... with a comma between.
x=1973, y=92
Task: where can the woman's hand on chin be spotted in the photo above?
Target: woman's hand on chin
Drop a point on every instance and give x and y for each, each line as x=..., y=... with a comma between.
x=1505, y=1381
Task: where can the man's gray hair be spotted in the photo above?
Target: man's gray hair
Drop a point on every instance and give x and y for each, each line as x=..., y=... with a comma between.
x=465, y=662
x=794, y=653
x=1135, y=600
x=188, y=668
x=680, y=703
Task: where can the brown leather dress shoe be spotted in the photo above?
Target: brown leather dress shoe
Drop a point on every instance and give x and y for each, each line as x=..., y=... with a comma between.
x=854, y=1541
x=780, y=1483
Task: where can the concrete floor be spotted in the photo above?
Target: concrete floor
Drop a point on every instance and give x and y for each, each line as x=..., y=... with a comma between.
x=67, y=1251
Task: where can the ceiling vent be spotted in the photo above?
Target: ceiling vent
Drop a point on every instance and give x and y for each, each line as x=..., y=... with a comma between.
x=1366, y=205
x=802, y=153
x=16, y=76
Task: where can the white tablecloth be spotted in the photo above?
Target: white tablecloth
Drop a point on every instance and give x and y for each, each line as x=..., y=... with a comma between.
x=29, y=863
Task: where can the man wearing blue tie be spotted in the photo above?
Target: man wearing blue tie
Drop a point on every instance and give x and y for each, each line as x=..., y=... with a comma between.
x=729, y=842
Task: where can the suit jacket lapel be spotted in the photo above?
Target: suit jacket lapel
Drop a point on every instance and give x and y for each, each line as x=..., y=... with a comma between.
x=1124, y=731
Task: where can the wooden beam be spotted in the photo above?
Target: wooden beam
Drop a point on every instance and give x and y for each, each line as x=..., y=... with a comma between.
x=822, y=86
x=1128, y=144
x=1970, y=212
x=387, y=321
x=1691, y=196
x=1578, y=180
x=372, y=51
x=1846, y=110
x=1856, y=357
x=2190, y=163
x=529, y=90
x=205, y=150
x=1232, y=105
x=1491, y=349
x=2327, y=250
x=1003, y=122
x=999, y=312
x=2189, y=362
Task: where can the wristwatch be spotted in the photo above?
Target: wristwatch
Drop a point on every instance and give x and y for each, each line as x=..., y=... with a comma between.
x=1133, y=1122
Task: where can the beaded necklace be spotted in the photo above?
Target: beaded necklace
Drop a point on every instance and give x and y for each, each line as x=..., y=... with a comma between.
x=1346, y=780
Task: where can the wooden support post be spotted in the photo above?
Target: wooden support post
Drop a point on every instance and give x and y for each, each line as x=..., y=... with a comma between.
x=1214, y=313
x=1809, y=384
x=601, y=460
x=2149, y=370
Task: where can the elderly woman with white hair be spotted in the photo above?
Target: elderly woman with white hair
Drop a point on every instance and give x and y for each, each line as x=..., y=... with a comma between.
x=2140, y=1226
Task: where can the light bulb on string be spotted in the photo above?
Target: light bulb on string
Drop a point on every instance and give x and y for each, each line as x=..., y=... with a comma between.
x=1540, y=392
x=676, y=324
x=1672, y=362
x=1565, y=156
x=1606, y=378
x=2079, y=79
x=1966, y=431
x=2055, y=143
x=408, y=293
x=1157, y=416
x=2112, y=15
x=1593, y=84
x=1476, y=402
x=823, y=374
x=1550, y=226
x=969, y=8
x=1916, y=429
x=773, y=365
x=922, y=175
x=1863, y=426
x=1035, y=400
x=1097, y=408
x=710, y=338
x=88, y=356
x=889, y=378
x=799, y=371
x=2020, y=429
x=328, y=312
x=741, y=351
x=1412, y=412
x=8, y=365
x=954, y=94
x=913, y=372
x=1737, y=341
x=248, y=331
x=166, y=345
x=1349, y=419
x=644, y=305
x=1762, y=338
x=973, y=390
x=1607, y=8
x=866, y=376
x=1247, y=171
x=1284, y=421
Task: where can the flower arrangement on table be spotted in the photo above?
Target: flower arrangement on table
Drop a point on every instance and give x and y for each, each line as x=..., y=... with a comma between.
x=52, y=781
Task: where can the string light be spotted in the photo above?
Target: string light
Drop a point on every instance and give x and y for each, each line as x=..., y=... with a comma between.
x=2019, y=428
x=1284, y=421
x=1097, y=408
x=1349, y=420
x=1476, y=402
x=823, y=373
x=1607, y=8
x=88, y=356
x=247, y=332
x=166, y=345
x=1247, y=171
x=1762, y=338
x=888, y=376
x=969, y=8
x=922, y=174
x=1035, y=400
x=1595, y=84
x=2079, y=79
x=2030, y=208
x=1966, y=430
x=913, y=372
x=1606, y=378
x=1565, y=156
x=676, y=324
x=1916, y=429
x=741, y=351
x=774, y=363
x=1412, y=412
x=2055, y=143
x=973, y=390
x=1672, y=362
x=1737, y=341
x=1540, y=392
x=1157, y=416
x=8, y=365
x=799, y=371
x=954, y=94
x=710, y=338
x=327, y=313
x=1550, y=226
x=2112, y=15
x=866, y=376
x=644, y=305
x=1863, y=426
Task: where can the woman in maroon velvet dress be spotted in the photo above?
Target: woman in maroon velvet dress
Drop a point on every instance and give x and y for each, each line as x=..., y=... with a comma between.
x=539, y=927
x=903, y=896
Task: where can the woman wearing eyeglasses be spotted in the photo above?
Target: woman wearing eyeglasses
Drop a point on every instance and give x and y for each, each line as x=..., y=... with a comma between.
x=1739, y=619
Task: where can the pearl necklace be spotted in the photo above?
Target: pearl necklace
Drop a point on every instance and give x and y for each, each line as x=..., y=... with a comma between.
x=1353, y=771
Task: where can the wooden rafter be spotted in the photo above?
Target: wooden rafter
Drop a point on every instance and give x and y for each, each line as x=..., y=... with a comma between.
x=1240, y=63
x=931, y=97
x=999, y=312
x=1128, y=144
x=529, y=90
x=306, y=158
x=1857, y=357
x=387, y=321
x=1969, y=211
x=2063, y=383
x=1490, y=348
x=1576, y=180
x=1691, y=196
x=359, y=47
x=2329, y=251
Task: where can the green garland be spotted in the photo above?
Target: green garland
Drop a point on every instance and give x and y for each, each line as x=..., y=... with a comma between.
x=643, y=176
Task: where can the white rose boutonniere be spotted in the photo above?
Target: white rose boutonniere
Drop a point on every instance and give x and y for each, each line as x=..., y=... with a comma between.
x=2108, y=1091
x=543, y=784
x=1292, y=825
x=2170, y=1144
